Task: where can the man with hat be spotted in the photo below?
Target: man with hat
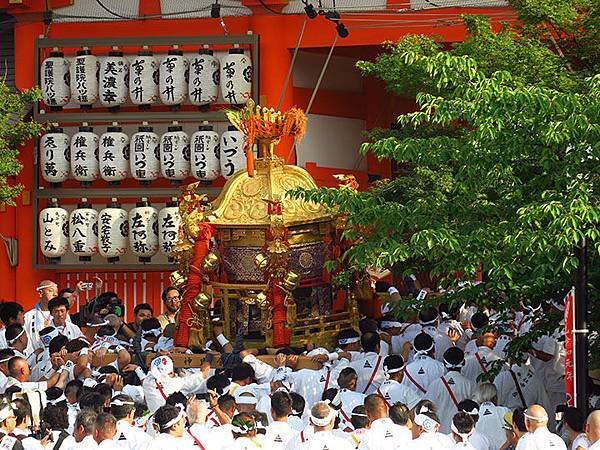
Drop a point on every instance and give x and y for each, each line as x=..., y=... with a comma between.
x=419, y=373
x=449, y=390
x=392, y=390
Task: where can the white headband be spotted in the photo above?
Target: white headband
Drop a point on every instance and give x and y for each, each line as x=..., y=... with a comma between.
x=424, y=351
x=544, y=418
x=359, y=415
x=8, y=358
x=390, y=324
x=473, y=412
x=324, y=421
x=431, y=322
x=98, y=325
x=119, y=402
x=16, y=337
x=449, y=365
x=154, y=331
x=44, y=286
x=246, y=400
x=427, y=423
x=6, y=412
x=208, y=344
x=62, y=398
x=172, y=422
x=463, y=436
x=387, y=372
x=350, y=340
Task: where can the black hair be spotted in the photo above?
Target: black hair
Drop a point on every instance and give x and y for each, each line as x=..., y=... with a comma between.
x=428, y=315
x=167, y=290
x=22, y=410
x=359, y=421
x=143, y=306
x=164, y=415
x=518, y=419
x=347, y=333
x=454, y=356
x=57, y=302
x=467, y=406
x=242, y=371
x=64, y=291
x=76, y=345
x=105, y=392
x=120, y=412
x=177, y=398
x=57, y=343
x=367, y=325
x=6, y=353
x=463, y=422
x=226, y=402
x=8, y=311
x=574, y=418
x=370, y=342
x=423, y=341
x=399, y=413
x=217, y=383
x=73, y=388
x=298, y=404
x=150, y=324
x=281, y=404
x=105, y=330
x=346, y=376
x=393, y=362
x=92, y=400
x=56, y=416
x=12, y=331
x=329, y=395
x=105, y=370
x=131, y=378
x=479, y=320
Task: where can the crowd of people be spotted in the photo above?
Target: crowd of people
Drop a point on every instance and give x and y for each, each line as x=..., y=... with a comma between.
x=438, y=380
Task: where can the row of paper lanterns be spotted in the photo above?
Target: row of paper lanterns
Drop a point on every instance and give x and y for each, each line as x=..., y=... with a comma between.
x=145, y=156
x=145, y=79
x=110, y=232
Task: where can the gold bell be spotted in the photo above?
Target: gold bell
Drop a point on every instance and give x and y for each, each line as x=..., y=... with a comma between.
x=261, y=299
x=200, y=303
x=211, y=262
x=291, y=280
x=177, y=279
x=261, y=261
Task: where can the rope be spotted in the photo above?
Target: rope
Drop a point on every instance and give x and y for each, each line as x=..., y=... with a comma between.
x=289, y=74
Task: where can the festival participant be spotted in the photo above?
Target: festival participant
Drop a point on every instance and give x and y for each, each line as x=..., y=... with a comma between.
x=122, y=407
x=592, y=430
x=7, y=426
x=59, y=309
x=5, y=355
x=491, y=416
x=244, y=430
x=151, y=331
x=169, y=422
x=39, y=317
x=83, y=433
x=479, y=320
x=462, y=431
x=429, y=319
x=382, y=433
x=370, y=367
x=449, y=390
x=22, y=431
x=171, y=298
x=392, y=390
x=538, y=436
x=279, y=432
x=162, y=382
x=349, y=341
x=479, y=363
x=426, y=433
x=548, y=361
x=360, y=424
x=197, y=433
x=322, y=420
x=18, y=341
x=476, y=439
x=347, y=398
x=56, y=419
x=141, y=312
x=222, y=411
x=104, y=432
x=11, y=313
x=419, y=373
x=573, y=424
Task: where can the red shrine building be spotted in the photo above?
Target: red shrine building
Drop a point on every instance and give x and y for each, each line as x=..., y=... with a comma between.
x=97, y=62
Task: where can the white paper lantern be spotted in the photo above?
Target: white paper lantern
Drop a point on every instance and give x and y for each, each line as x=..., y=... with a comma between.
x=54, y=231
x=84, y=155
x=173, y=84
x=113, y=155
x=205, y=154
x=169, y=222
x=84, y=78
x=83, y=231
x=55, y=80
x=114, y=78
x=55, y=156
x=113, y=230
x=233, y=157
x=143, y=79
x=175, y=154
x=236, y=77
x=204, y=78
x=145, y=155
x=143, y=231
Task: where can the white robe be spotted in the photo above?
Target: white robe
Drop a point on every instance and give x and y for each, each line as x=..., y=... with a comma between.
x=278, y=434
x=531, y=386
x=394, y=392
x=370, y=373
x=131, y=438
x=479, y=362
x=190, y=384
x=423, y=370
x=441, y=340
x=349, y=401
x=318, y=441
x=541, y=439
x=384, y=434
x=490, y=423
x=461, y=387
x=429, y=441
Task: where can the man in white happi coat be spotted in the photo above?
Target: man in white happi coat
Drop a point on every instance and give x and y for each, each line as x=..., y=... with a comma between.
x=382, y=432
x=429, y=320
x=39, y=317
x=83, y=431
x=12, y=313
x=279, y=432
x=462, y=431
x=479, y=320
x=538, y=436
x=491, y=416
x=419, y=373
x=370, y=367
x=426, y=433
x=59, y=309
x=519, y=387
x=197, y=434
x=592, y=430
x=128, y=436
x=480, y=362
x=322, y=420
x=548, y=362
x=347, y=398
x=162, y=382
x=449, y=390
x=349, y=342
x=392, y=390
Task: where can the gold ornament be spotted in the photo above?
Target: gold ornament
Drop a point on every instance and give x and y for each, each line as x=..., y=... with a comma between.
x=261, y=299
x=290, y=281
x=200, y=303
x=261, y=261
x=211, y=262
x=178, y=279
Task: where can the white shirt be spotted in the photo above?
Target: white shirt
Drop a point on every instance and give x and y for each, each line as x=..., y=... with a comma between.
x=165, y=441
x=370, y=373
x=278, y=435
x=531, y=386
x=479, y=441
x=475, y=363
x=461, y=387
x=28, y=442
x=541, y=439
x=246, y=443
x=190, y=384
x=394, y=392
x=464, y=446
x=441, y=340
x=130, y=437
x=595, y=446
x=349, y=401
x=262, y=370
x=490, y=423
x=68, y=443
x=429, y=441
x=580, y=441
x=422, y=371
x=203, y=434
x=384, y=434
x=108, y=444
x=69, y=329
x=35, y=321
x=407, y=334
x=318, y=441
x=87, y=443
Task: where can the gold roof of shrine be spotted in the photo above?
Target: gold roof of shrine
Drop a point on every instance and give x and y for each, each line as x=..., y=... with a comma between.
x=244, y=200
